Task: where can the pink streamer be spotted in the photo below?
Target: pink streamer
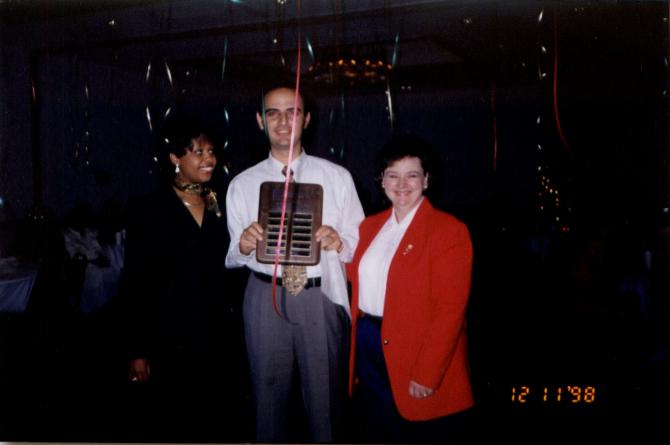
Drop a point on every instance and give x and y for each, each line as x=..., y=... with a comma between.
x=557, y=117
x=286, y=182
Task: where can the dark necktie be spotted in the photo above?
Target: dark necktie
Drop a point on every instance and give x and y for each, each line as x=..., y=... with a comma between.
x=294, y=277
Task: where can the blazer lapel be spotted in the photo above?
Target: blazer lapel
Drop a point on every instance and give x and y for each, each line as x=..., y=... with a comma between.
x=414, y=239
x=373, y=230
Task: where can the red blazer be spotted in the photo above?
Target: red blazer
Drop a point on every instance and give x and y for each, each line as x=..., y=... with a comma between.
x=423, y=332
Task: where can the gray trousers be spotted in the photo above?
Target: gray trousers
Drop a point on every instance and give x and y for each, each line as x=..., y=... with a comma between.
x=312, y=338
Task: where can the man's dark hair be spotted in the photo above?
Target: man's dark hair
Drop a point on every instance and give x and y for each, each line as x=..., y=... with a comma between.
x=287, y=84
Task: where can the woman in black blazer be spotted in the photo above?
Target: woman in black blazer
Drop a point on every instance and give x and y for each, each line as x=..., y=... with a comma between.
x=184, y=336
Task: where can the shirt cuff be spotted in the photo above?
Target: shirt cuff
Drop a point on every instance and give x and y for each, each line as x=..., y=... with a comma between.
x=235, y=258
x=344, y=255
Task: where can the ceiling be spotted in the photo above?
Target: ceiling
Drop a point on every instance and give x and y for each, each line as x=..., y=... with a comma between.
x=455, y=42
x=30, y=11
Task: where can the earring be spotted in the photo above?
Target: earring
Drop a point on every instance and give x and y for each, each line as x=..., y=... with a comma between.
x=176, y=169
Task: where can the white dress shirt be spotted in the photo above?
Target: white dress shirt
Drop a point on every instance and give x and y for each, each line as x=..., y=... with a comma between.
x=342, y=211
x=373, y=269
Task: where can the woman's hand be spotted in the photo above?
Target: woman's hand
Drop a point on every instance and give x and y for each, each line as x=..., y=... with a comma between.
x=419, y=391
x=139, y=370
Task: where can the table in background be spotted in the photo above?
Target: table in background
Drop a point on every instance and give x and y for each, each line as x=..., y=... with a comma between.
x=16, y=285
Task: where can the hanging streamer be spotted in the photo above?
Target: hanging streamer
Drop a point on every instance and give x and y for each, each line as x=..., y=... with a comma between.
x=344, y=122
x=167, y=71
x=389, y=103
x=557, y=117
x=331, y=130
x=394, y=59
x=310, y=49
x=225, y=56
x=288, y=166
x=495, y=126
x=148, y=75
x=149, y=118
x=286, y=180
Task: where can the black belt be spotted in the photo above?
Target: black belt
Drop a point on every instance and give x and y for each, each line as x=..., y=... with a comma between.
x=311, y=282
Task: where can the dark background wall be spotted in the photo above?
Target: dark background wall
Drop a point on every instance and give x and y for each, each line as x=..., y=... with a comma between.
x=549, y=118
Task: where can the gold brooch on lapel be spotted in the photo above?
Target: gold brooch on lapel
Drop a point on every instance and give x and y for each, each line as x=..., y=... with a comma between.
x=408, y=249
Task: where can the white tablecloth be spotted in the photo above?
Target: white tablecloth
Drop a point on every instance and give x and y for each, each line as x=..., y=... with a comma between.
x=15, y=288
x=101, y=283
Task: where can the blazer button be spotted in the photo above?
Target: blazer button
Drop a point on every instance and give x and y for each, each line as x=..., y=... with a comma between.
x=386, y=342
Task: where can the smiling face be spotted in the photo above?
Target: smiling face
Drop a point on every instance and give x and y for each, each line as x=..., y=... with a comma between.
x=404, y=182
x=278, y=107
x=197, y=165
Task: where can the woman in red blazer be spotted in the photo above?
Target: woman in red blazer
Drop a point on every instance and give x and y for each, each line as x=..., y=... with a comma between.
x=410, y=285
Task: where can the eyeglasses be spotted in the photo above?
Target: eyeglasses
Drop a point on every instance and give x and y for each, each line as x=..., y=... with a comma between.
x=273, y=114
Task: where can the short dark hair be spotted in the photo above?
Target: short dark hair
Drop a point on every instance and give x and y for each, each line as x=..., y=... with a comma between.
x=406, y=145
x=285, y=84
x=179, y=131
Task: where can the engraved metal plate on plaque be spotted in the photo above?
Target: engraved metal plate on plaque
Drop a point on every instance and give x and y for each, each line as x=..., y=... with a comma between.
x=304, y=206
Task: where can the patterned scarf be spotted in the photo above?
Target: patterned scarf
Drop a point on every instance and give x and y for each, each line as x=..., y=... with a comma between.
x=198, y=189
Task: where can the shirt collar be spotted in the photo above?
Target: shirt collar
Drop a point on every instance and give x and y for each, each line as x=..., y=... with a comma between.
x=408, y=218
x=296, y=163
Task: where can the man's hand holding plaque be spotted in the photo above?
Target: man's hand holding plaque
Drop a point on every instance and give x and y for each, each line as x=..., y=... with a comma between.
x=329, y=239
x=326, y=235
x=250, y=237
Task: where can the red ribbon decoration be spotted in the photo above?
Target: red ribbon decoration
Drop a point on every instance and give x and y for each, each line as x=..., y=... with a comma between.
x=557, y=117
x=286, y=182
x=495, y=126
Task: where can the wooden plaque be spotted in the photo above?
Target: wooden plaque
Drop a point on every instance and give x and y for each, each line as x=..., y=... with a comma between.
x=304, y=207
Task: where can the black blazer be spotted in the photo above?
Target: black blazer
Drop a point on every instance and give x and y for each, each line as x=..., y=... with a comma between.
x=174, y=285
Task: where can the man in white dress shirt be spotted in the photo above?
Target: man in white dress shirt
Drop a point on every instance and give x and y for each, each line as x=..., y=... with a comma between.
x=310, y=337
